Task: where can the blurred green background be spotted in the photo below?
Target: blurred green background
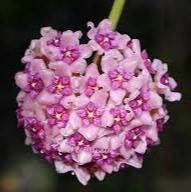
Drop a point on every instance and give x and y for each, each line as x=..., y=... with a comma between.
x=164, y=28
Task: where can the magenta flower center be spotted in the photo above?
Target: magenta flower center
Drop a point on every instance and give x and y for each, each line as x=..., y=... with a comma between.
x=56, y=41
x=19, y=113
x=91, y=86
x=147, y=62
x=119, y=117
x=160, y=122
x=35, y=85
x=35, y=129
x=69, y=54
x=77, y=140
x=65, y=157
x=140, y=102
x=105, y=40
x=101, y=158
x=133, y=137
x=90, y=114
x=61, y=86
x=119, y=78
x=57, y=115
x=54, y=154
x=37, y=133
x=165, y=80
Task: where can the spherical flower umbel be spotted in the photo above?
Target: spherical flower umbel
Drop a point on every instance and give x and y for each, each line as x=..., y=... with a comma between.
x=87, y=119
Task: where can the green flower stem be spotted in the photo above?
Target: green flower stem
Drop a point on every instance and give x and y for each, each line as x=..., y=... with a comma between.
x=116, y=12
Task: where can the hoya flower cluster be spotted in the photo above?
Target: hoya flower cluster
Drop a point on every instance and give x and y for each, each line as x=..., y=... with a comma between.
x=92, y=118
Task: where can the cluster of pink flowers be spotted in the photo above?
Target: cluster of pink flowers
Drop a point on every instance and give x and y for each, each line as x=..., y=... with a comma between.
x=92, y=118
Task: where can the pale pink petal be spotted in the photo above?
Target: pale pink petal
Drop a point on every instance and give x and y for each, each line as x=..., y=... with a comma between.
x=96, y=47
x=62, y=167
x=81, y=101
x=173, y=96
x=100, y=98
x=68, y=130
x=28, y=141
x=35, y=47
x=124, y=152
x=92, y=31
x=78, y=84
x=78, y=66
x=108, y=64
x=146, y=118
x=172, y=83
x=60, y=68
x=39, y=112
x=128, y=52
x=46, y=76
x=136, y=46
x=82, y=175
x=68, y=102
x=37, y=66
x=135, y=162
x=115, y=54
x=90, y=133
x=115, y=142
x=107, y=168
x=156, y=64
x=21, y=79
x=28, y=104
x=161, y=69
x=141, y=147
x=104, y=82
x=102, y=143
x=117, y=96
x=104, y=132
x=100, y=175
x=75, y=120
x=152, y=133
x=92, y=70
x=121, y=40
x=130, y=113
x=135, y=84
x=130, y=64
x=65, y=147
x=78, y=34
x=21, y=95
x=85, y=51
x=48, y=32
x=105, y=25
x=107, y=119
x=46, y=98
x=135, y=123
x=28, y=112
x=155, y=100
x=50, y=52
x=68, y=38
x=84, y=157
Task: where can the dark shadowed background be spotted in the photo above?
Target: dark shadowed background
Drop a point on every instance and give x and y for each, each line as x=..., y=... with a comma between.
x=163, y=28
